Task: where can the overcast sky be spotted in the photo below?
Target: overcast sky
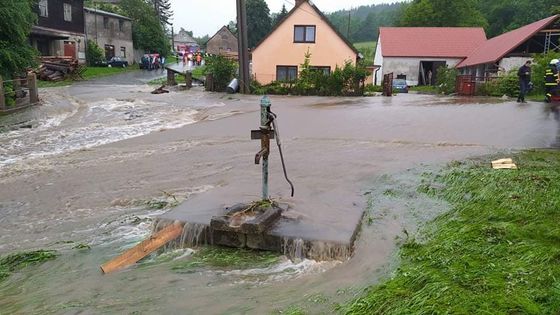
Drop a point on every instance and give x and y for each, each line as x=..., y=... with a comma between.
x=207, y=16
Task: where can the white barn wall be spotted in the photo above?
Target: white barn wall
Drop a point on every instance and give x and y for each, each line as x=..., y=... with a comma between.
x=513, y=63
x=410, y=66
x=378, y=61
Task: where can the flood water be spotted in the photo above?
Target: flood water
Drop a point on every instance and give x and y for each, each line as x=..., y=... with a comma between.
x=82, y=168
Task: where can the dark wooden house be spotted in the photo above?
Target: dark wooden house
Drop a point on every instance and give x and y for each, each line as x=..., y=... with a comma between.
x=60, y=28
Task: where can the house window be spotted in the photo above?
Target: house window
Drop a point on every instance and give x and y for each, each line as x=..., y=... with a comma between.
x=304, y=34
x=105, y=22
x=121, y=25
x=44, y=8
x=123, y=52
x=67, y=12
x=324, y=69
x=286, y=73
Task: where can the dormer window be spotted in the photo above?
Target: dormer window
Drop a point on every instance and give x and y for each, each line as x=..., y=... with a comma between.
x=304, y=33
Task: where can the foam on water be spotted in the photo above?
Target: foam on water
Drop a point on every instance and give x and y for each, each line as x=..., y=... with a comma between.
x=99, y=123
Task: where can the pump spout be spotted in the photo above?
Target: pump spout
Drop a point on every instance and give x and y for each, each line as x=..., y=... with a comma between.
x=262, y=153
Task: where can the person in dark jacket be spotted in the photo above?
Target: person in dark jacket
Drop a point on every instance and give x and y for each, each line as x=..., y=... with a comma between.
x=524, y=74
x=551, y=80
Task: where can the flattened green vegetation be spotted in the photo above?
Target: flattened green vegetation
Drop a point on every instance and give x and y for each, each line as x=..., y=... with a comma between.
x=496, y=252
x=15, y=262
x=228, y=258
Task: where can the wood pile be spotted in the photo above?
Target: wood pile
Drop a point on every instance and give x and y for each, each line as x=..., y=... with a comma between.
x=57, y=68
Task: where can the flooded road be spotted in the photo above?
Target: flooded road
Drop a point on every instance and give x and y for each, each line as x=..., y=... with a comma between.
x=85, y=167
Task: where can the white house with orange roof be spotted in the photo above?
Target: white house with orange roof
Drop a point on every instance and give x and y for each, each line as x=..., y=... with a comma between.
x=305, y=28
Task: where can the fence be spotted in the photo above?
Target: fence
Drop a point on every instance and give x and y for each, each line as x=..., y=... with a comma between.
x=18, y=93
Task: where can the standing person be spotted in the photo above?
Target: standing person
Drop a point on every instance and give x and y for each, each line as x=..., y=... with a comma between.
x=524, y=74
x=550, y=80
x=198, y=58
x=430, y=78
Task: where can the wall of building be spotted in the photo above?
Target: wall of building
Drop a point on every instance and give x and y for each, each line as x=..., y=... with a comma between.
x=513, y=63
x=410, y=67
x=224, y=41
x=97, y=32
x=55, y=16
x=279, y=48
x=378, y=61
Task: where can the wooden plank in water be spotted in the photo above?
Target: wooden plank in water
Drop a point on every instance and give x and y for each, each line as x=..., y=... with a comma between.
x=143, y=249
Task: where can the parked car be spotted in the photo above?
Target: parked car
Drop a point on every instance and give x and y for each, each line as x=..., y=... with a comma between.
x=400, y=86
x=117, y=62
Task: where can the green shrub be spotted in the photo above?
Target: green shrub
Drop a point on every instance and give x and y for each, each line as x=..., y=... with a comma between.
x=94, y=54
x=370, y=88
x=223, y=71
x=343, y=81
x=540, y=64
x=446, y=80
x=9, y=94
x=507, y=84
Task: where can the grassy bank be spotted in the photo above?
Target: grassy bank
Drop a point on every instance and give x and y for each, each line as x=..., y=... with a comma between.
x=197, y=73
x=496, y=252
x=89, y=73
x=368, y=50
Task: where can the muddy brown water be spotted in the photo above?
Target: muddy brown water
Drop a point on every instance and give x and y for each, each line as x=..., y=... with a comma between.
x=81, y=174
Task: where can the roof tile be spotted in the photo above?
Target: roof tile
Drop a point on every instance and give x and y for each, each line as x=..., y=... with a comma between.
x=430, y=41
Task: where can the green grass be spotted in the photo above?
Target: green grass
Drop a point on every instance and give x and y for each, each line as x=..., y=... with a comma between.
x=368, y=50
x=15, y=262
x=89, y=74
x=496, y=252
x=197, y=74
x=229, y=258
x=424, y=89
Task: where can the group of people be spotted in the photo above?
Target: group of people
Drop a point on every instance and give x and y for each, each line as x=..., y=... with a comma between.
x=551, y=80
x=196, y=58
x=152, y=61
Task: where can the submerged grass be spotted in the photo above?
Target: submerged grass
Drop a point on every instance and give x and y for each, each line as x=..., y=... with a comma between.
x=14, y=262
x=228, y=258
x=496, y=252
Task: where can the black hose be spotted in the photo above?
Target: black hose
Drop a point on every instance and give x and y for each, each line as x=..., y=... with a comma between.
x=272, y=117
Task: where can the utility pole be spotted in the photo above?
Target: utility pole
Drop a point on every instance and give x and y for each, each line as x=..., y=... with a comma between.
x=244, y=76
x=173, y=39
x=348, y=29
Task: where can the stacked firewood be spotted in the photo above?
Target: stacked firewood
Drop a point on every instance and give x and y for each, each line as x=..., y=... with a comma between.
x=57, y=68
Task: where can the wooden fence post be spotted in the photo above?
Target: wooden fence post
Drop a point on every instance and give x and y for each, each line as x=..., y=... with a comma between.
x=171, y=78
x=2, y=96
x=188, y=79
x=32, y=86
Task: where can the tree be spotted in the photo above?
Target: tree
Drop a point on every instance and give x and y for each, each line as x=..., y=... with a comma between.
x=280, y=15
x=259, y=22
x=147, y=31
x=94, y=54
x=232, y=26
x=163, y=10
x=441, y=13
x=16, y=20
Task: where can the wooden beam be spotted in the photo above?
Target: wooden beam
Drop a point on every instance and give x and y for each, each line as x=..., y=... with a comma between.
x=143, y=249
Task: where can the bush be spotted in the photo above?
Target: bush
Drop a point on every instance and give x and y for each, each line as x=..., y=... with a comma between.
x=9, y=94
x=94, y=54
x=223, y=71
x=540, y=64
x=446, y=80
x=346, y=81
x=503, y=85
